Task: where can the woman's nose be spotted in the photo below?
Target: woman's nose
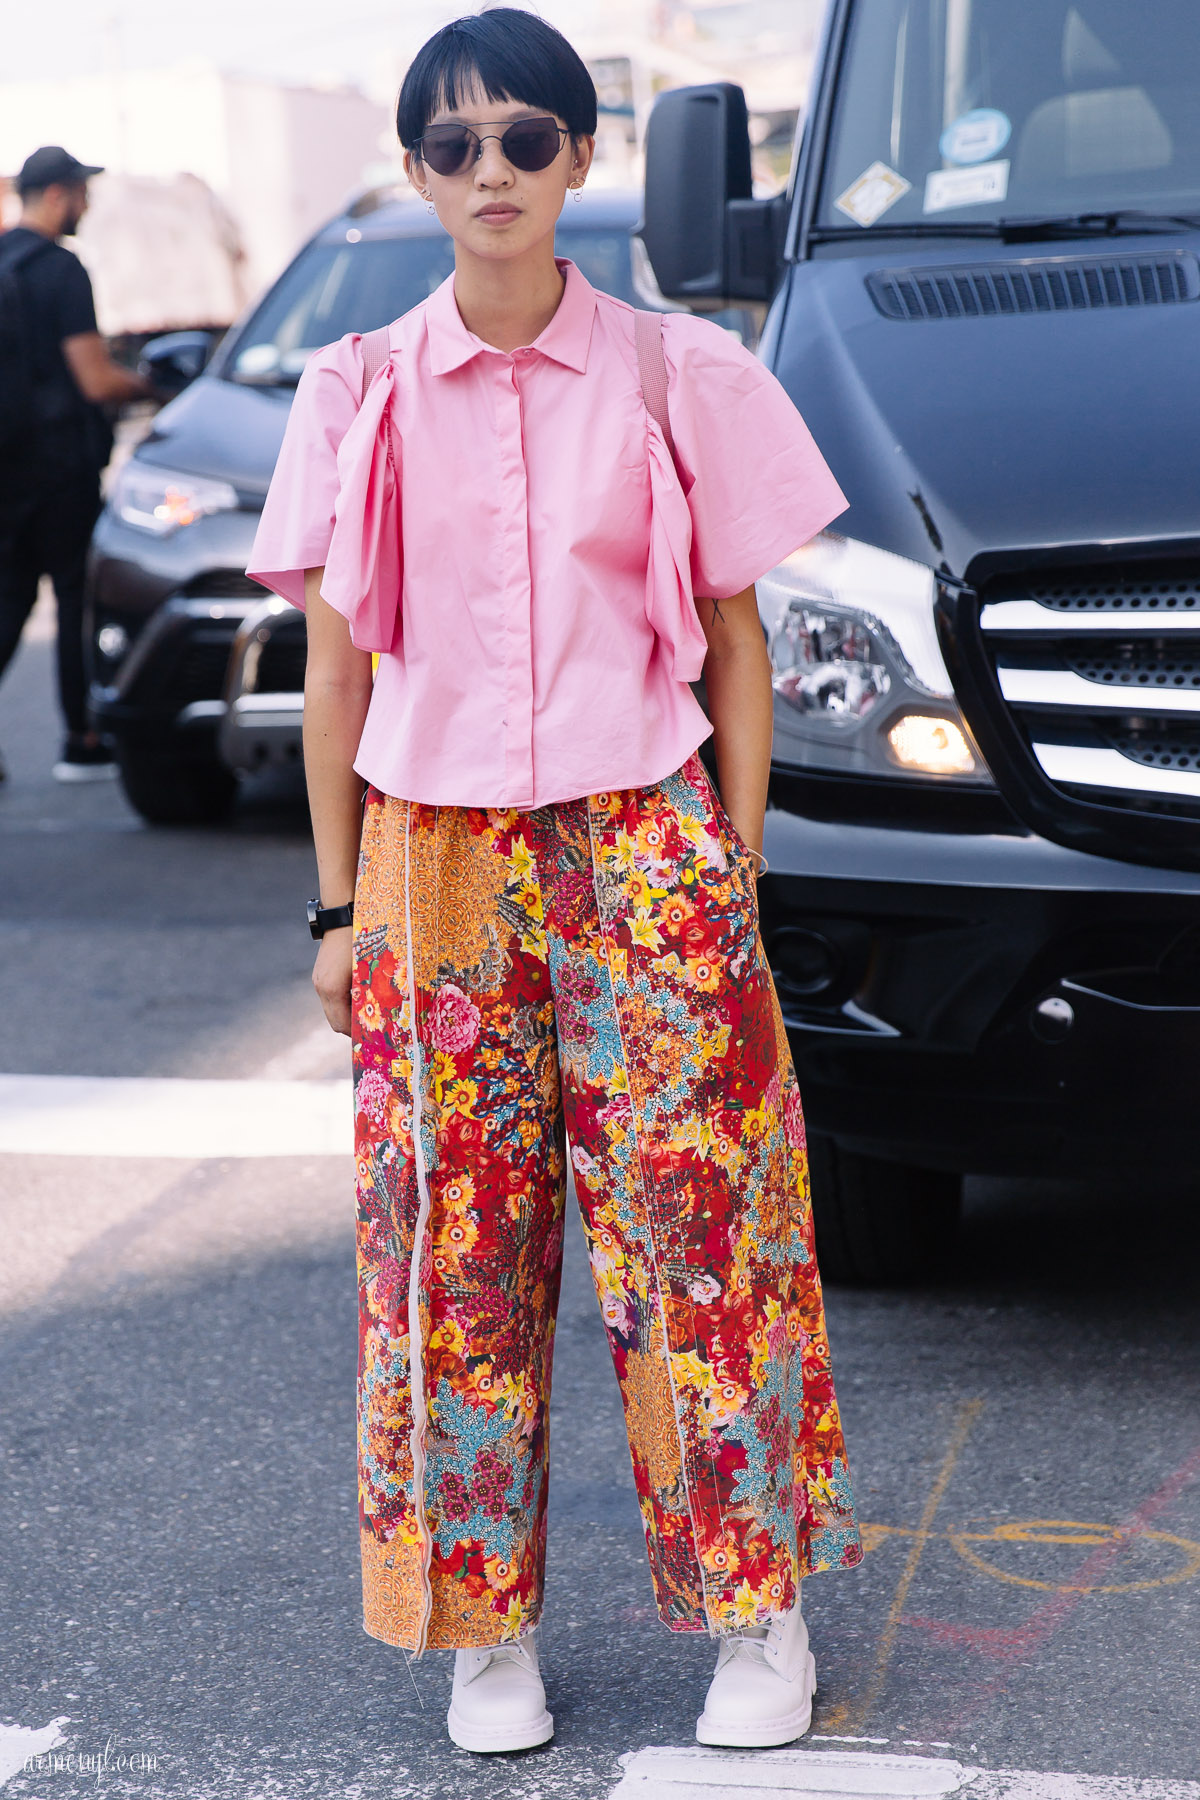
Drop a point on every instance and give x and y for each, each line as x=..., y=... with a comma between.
x=492, y=169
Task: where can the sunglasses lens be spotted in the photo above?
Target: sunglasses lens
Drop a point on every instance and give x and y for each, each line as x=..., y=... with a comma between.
x=447, y=149
x=531, y=144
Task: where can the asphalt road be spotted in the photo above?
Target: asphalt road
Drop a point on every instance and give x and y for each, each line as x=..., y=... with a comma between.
x=176, y=1416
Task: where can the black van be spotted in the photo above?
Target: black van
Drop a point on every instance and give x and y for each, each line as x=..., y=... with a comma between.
x=984, y=296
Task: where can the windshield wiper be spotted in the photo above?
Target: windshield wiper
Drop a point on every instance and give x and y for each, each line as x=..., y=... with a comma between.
x=1127, y=222
x=836, y=234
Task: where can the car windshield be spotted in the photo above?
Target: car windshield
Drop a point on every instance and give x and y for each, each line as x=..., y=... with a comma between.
x=966, y=111
x=334, y=288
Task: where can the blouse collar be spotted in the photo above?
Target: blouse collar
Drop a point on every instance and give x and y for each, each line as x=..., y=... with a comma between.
x=566, y=338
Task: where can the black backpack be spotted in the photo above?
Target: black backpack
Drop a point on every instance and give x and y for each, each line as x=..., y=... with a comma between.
x=18, y=394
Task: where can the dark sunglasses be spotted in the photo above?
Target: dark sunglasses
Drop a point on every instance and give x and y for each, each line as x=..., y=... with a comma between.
x=528, y=144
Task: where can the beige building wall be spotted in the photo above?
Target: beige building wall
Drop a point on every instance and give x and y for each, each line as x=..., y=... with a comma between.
x=280, y=158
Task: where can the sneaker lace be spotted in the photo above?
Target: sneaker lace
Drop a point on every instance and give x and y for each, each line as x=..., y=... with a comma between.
x=516, y=1653
x=750, y=1644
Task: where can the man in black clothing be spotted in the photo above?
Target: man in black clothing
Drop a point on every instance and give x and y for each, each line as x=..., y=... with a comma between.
x=53, y=454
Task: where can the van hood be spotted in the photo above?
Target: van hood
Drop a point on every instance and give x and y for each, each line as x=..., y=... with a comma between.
x=223, y=429
x=972, y=443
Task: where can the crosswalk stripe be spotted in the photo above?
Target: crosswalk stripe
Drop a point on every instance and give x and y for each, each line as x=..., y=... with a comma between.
x=101, y=1115
x=693, y=1773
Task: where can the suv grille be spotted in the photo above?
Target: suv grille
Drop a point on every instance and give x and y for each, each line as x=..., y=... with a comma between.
x=1101, y=671
x=198, y=670
x=1041, y=285
x=281, y=665
x=223, y=584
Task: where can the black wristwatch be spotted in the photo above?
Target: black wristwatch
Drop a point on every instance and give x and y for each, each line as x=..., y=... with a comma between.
x=327, y=918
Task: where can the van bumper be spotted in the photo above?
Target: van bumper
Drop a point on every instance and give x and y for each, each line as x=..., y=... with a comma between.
x=985, y=1001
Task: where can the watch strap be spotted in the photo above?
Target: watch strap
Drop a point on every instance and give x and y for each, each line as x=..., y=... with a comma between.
x=328, y=918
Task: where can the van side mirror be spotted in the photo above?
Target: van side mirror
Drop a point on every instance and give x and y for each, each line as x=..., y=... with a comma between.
x=707, y=238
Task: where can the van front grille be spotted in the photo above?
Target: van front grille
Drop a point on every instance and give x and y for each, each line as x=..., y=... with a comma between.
x=1100, y=671
x=1178, y=748
x=1035, y=285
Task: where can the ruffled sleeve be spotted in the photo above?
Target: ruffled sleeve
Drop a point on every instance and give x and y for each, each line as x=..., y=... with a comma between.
x=669, y=604
x=334, y=498
x=756, y=485
x=363, y=567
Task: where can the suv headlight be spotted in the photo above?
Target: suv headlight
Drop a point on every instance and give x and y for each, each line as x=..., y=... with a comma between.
x=163, y=500
x=860, y=684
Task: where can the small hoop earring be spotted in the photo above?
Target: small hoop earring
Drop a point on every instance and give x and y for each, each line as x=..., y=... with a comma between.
x=577, y=192
x=429, y=205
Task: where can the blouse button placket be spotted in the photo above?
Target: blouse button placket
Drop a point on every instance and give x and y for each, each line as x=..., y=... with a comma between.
x=517, y=586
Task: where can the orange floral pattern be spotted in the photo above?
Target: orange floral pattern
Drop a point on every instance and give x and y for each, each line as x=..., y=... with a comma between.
x=594, y=969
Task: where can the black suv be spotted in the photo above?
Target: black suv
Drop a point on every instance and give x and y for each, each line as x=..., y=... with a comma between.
x=169, y=599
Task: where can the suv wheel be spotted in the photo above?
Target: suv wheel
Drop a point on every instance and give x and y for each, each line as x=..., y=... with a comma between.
x=879, y=1223
x=175, y=790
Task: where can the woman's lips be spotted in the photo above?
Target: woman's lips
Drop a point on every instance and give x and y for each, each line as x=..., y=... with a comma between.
x=502, y=215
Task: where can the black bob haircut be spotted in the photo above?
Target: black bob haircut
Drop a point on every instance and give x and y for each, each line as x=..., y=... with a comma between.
x=512, y=55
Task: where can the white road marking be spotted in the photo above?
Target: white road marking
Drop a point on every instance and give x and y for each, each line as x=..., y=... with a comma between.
x=98, y=1115
x=700, y=1774
x=322, y=1054
x=20, y=1741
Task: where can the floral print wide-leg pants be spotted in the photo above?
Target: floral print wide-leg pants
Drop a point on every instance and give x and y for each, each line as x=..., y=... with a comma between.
x=589, y=971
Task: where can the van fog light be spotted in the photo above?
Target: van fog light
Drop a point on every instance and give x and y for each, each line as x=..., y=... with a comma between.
x=805, y=961
x=930, y=745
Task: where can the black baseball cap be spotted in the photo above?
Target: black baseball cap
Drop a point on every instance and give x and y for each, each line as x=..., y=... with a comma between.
x=53, y=164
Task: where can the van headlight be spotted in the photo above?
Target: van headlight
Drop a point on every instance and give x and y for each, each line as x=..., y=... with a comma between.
x=860, y=684
x=163, y=500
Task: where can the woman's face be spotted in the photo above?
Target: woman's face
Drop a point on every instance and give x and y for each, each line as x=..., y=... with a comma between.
x=492, y=208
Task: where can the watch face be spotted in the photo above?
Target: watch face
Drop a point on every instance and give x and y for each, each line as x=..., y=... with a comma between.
x=312, y=909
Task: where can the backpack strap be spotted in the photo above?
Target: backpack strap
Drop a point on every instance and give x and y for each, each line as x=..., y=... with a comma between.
x=652, y=371
x=376, y=348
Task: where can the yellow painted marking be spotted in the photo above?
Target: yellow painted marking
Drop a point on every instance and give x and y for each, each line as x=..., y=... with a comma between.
x=1049, y=1531
x=857, y=1713
x=1070, y=1531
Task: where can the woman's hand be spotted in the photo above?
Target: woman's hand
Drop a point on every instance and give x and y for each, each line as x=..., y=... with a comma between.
x=737, y=681
x=337, y=692
x=331, y=976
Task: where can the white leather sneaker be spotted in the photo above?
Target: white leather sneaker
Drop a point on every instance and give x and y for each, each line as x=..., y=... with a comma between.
x=762, y=1692
x=498, y=1702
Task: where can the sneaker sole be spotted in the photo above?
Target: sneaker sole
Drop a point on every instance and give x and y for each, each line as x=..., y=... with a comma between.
x=761, y=1734
x=84, y=771
x=487, y=1740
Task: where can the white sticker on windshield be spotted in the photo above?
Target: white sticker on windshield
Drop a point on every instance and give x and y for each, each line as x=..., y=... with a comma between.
x=947, y=188
x=868, y=198
x=976, y=137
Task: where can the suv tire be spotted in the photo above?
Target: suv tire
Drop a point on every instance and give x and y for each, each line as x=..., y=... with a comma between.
x=879, y=1223
x=175, y=790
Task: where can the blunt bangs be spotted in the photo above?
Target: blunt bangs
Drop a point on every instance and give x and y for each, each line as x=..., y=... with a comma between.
x=512, y=55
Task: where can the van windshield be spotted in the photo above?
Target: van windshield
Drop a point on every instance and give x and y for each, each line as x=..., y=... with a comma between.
x=969, y=111
x=334, y=288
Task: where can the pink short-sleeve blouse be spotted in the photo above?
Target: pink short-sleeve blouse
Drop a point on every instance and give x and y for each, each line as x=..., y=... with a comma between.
x=508, y=531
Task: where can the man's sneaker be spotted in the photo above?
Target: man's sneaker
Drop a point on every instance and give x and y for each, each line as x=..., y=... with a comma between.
x=498, y=1702
x=81, y=761
x=762, y=1692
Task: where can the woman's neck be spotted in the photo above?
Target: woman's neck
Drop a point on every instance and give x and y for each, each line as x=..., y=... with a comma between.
x=508, y=304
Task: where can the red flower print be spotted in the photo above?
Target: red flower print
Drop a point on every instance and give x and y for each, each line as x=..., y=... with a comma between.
x=618, y=1113
x=372, y=1095
x=489, y=1488
x=793, y=1120
x=456, y=1502
x=454, y=1022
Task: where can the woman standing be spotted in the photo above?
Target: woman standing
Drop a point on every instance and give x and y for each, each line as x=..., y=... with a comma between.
x=554, y=924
